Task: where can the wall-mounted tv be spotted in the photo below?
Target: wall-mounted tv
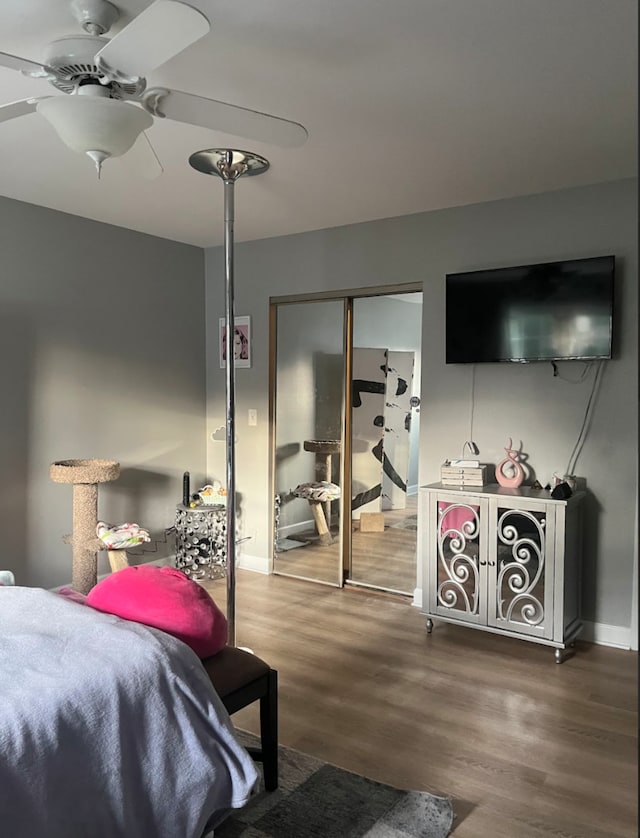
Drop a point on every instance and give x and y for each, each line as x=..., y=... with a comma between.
x=554, y=311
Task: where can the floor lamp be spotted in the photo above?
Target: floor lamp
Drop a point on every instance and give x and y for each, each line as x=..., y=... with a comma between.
x=229, y=165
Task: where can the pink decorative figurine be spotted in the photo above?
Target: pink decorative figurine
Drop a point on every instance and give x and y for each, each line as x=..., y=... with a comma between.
x=509, y=472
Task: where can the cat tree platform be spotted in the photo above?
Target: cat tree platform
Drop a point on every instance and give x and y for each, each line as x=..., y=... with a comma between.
x=84, y=475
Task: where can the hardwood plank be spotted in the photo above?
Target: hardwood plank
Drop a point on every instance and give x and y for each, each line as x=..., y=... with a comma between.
x=525, y=747
x=382, y=559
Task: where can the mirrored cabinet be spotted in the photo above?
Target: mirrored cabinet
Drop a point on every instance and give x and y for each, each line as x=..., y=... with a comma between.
x=503, y=560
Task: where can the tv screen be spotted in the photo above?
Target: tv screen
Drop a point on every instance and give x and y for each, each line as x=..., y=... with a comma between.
x=553, y=311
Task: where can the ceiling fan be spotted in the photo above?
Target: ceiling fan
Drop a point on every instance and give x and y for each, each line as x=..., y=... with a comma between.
x=106, y=105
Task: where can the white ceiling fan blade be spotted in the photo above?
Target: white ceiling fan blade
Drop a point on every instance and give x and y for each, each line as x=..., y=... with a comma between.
x=14, y=109
x=24, y=65
x=142, y=159
x=230, y=119
x=158, y=33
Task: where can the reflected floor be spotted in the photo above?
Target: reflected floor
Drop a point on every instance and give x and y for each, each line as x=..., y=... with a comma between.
x=383, y=559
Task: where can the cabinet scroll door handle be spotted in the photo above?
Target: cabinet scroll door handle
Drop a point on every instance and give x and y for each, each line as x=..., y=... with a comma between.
x=482, y=562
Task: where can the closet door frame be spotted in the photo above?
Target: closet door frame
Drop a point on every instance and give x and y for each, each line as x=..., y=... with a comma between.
x=347, y=296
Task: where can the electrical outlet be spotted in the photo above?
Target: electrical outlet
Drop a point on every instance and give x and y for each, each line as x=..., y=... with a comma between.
x=253, y=417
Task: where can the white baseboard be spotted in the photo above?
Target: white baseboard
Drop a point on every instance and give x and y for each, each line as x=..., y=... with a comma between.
x=618, y=637
x=259, y=564
x=412, y=488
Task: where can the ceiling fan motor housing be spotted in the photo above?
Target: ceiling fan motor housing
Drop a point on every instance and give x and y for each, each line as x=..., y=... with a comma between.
x=73, y=59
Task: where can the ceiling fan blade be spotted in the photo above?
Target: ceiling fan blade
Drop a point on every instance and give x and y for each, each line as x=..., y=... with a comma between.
x=24, y=65
x=14, y=109
x=229, y=119
x=142, y=158
x=158, y=33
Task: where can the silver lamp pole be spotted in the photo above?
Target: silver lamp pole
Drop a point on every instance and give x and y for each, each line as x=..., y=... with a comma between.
x=229, y=164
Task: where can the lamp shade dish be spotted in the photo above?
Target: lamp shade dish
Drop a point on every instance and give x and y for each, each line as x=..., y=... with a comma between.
x=91, y=124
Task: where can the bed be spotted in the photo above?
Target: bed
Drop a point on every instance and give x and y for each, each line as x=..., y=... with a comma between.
x=109, y=728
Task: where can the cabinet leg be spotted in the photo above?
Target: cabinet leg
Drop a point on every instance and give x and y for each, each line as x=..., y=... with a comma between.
x=429, y=625
x=563, y=654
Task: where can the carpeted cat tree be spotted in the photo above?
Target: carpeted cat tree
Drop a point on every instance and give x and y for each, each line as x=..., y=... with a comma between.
x=84, y=475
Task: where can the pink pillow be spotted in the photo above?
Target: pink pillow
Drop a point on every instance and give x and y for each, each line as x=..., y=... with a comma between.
x=165, y=599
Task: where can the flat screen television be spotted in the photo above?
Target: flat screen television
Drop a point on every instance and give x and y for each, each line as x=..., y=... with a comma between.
x=554, y=311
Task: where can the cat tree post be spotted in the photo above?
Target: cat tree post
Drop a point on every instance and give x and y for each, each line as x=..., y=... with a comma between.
x=84, y=475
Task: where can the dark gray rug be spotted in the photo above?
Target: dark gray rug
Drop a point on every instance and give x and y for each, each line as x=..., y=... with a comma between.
x=318, y=800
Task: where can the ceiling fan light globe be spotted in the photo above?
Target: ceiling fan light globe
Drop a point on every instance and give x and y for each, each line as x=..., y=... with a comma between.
x=86, y=123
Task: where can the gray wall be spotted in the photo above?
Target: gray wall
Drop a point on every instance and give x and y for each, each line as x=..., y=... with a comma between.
x=101, y=355
x=525, y=402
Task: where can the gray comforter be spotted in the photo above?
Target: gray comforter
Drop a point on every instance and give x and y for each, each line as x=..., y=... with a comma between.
x=108, y=729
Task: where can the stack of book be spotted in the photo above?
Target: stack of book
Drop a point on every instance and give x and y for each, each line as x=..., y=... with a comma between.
x=463, y=473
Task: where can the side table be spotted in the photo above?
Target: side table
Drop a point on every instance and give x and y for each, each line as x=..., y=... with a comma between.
x=201, y=541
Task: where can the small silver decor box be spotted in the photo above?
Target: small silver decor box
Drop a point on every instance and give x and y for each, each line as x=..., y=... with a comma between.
x=463, y=473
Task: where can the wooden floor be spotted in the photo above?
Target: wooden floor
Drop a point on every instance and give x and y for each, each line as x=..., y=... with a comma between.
x=526, y=748
x=380, y=559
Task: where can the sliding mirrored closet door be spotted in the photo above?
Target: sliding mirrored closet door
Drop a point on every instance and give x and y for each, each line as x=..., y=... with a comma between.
x=385, y=399
x=308, y=409
x=345, y=407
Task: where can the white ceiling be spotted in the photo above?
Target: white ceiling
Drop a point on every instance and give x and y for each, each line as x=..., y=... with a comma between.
x=411, y=105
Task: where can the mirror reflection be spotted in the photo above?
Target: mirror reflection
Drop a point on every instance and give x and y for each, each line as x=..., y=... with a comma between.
x=309, y=387
x=380, y=505
x=387, y=333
